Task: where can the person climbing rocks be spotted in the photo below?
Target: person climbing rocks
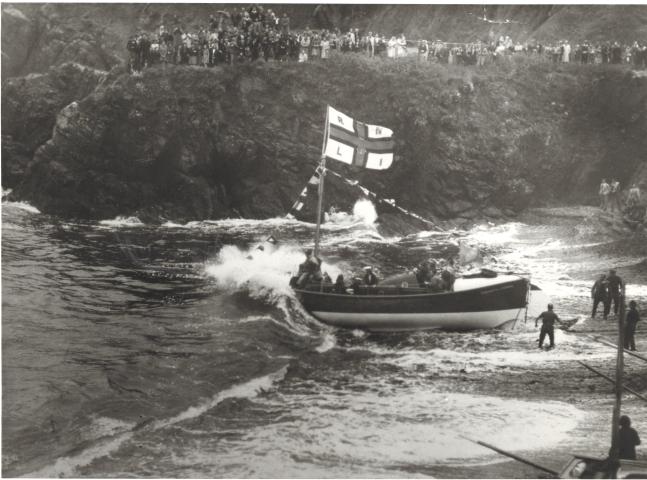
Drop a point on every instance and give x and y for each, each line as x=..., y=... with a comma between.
x=615, y=284
x=600, y=293
x=633, y=317
x=548, y=319
x=628, y=439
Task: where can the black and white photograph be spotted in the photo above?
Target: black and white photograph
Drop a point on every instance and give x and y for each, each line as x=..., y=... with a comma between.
x=324, y=240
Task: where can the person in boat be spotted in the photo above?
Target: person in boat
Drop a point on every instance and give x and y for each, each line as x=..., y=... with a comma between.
x=448, y=279
x=309, y=270
x=548, y=319
x=340, y=286
x=615, y=285
x=633, y=317
x=370, y=278
x=424, y=273
x=356, y=285
x=326, y=278
x=628, y=439
x=600, y=293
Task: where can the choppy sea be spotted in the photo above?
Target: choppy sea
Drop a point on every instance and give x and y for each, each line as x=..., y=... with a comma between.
x=131, y=350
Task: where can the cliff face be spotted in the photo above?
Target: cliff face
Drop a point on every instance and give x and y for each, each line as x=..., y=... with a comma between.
x=192, y=143
x=29, y=108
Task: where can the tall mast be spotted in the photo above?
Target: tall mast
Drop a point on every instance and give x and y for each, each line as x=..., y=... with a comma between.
x=322, y=174
x=615, y=435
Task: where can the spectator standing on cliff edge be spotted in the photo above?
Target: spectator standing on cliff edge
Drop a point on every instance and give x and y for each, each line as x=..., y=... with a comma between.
x=614, y=195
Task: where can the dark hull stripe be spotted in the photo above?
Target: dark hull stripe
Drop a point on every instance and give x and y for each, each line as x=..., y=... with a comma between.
x=501, y=296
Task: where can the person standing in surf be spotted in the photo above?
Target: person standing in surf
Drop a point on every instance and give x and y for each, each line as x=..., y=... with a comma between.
x=548, y=319
x=615, y=284
x=633, y=317
x=599, y=293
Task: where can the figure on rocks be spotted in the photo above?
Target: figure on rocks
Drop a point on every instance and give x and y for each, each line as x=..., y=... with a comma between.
x=605, y=189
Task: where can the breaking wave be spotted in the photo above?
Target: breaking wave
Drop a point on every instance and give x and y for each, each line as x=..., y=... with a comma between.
x=122, y=221
x=116, y=433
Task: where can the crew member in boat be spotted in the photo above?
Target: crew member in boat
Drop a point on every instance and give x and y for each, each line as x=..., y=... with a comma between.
x=424, y=273
x=448, y=278
x=628, y=439
x=309, y=270
x=548, y=319
x=370, y=278
x=340, y=286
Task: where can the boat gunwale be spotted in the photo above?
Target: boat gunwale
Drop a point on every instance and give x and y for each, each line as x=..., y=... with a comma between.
x=416, y=295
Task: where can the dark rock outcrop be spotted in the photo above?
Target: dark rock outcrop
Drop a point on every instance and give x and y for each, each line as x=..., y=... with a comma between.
x=193, y=143
x=29, y=108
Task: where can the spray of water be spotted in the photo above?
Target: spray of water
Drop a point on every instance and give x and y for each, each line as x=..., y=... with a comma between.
x=364, y=211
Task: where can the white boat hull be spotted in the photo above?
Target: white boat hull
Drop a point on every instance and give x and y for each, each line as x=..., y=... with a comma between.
x=392, y=322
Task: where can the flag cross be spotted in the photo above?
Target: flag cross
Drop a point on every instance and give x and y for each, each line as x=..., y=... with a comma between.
x=361, y=142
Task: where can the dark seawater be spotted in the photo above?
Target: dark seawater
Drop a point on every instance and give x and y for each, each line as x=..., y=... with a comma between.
x=178, y=351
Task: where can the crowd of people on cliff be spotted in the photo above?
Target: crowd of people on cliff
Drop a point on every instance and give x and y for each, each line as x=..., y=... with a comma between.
x=254, y=33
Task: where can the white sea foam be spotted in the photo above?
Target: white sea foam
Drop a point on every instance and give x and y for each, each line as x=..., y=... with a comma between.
x=329, y=342
x=244, y=390
x=20, y=205
x=265, y=273
x=170, y=224
x=122, y=221
x=67, y=466
x=405, y=425
x=500, y=234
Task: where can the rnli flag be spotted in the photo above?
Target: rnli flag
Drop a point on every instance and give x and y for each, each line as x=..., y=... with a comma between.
x=357, y=143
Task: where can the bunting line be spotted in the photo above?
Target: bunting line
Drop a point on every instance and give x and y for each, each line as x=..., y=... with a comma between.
x=315, y=179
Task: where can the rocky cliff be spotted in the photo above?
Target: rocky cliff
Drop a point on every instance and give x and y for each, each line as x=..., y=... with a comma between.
x=191, y=143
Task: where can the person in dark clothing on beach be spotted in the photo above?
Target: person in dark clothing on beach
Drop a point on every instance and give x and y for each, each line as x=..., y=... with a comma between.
x=628, y=439
x=615, y=284
x=633, y=317
x=548, y=319
x=599, y=293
